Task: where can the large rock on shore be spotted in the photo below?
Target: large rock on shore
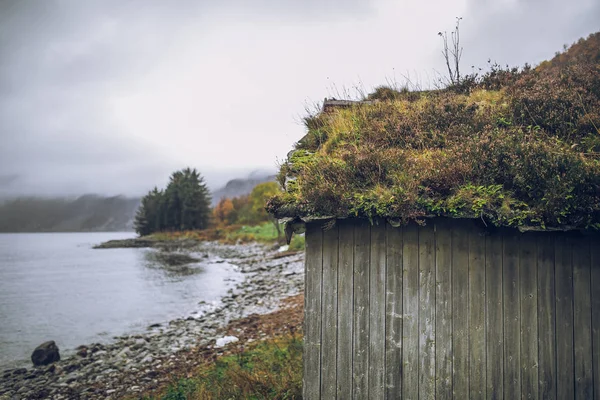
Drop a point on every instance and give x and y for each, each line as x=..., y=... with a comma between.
x=46, y=353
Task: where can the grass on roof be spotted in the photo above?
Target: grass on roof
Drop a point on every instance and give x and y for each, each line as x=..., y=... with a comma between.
x=518, y=148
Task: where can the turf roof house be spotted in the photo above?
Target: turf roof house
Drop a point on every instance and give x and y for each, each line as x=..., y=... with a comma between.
x=451, y=243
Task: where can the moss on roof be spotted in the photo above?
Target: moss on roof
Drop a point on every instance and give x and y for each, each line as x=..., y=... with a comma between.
x=514, y=148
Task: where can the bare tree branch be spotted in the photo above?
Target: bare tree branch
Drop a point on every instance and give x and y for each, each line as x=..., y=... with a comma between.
x=454, y=54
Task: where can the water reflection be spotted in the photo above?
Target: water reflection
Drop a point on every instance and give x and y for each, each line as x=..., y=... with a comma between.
x=56, y=287
x=174, y=265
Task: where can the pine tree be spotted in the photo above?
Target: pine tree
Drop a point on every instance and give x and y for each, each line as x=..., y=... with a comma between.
x=195, y=201
x=172, y=214
x=140, y=223
x=183, y=205
x=148, y=217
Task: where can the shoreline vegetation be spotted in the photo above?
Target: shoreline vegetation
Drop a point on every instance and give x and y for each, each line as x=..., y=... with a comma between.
x=265, y=233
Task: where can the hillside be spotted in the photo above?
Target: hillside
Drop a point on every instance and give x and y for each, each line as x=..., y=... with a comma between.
x=83, y=214
x=583, y=51
x=240, y=186
x=514, y=147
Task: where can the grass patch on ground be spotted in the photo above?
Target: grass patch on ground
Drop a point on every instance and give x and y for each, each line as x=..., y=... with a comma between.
x=263, y=233
x=265, y=370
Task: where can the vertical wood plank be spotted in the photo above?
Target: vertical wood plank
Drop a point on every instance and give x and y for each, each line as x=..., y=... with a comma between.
x=529, y=333
x=345, y=309
x=512, y=325
x=329, y=314
x=443, y=310
x=565, y=385
x=494, y=322
x=393, y=312
x=312, y=312
x=582, y=319
x=546, y=317
x=427, y=311
x=477, y=360
x=360, y=331
x=410, y=302
x=460, y=308
x=595, y=281
x=377, y=312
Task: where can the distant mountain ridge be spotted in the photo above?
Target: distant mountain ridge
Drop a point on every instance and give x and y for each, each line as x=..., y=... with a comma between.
x=241, y=186
x=87, y=213
x=95, y=213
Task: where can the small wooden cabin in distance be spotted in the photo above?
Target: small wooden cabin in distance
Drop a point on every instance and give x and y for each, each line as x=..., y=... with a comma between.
x=451, y=247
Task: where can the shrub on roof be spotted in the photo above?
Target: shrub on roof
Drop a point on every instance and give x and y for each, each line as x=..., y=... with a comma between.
x=517, y=148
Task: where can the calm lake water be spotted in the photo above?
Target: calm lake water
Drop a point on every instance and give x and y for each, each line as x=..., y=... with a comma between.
x=54, y=286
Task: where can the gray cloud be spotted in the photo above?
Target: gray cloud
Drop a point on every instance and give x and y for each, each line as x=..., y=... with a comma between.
x=111, y=96
x=515, y=32
x=62, y=62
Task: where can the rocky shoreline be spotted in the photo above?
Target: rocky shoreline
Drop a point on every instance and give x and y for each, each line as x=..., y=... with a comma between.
x=133, y=364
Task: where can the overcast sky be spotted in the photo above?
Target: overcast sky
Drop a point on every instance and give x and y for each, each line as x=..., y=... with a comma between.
x=110, y=96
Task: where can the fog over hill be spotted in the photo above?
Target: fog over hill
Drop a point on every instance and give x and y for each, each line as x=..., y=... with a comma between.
x=241, y=186
x=88, y=213
x=93, y=212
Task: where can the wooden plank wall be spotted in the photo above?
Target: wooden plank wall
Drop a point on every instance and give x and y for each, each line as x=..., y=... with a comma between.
x=448, y=311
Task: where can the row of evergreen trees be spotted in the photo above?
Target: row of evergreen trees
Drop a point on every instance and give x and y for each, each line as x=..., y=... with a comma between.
x=183, y=205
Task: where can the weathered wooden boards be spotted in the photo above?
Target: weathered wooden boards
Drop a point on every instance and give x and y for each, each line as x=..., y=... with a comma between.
x=410, y=314
x=393, y=313
x=377, y=290
x=563, y=270
x=582, y=319
x=311, y=382
x=448, y=311
x=512, y=317
x=329, y=313
x=494, y=317
x=443, y=311
x=477, y=354
x=360, y=331
x=460, y=313
x=345, y=318
x=547, y=368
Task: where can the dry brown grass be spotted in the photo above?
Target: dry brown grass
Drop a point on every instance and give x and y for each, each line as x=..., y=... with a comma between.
x=515, y=148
